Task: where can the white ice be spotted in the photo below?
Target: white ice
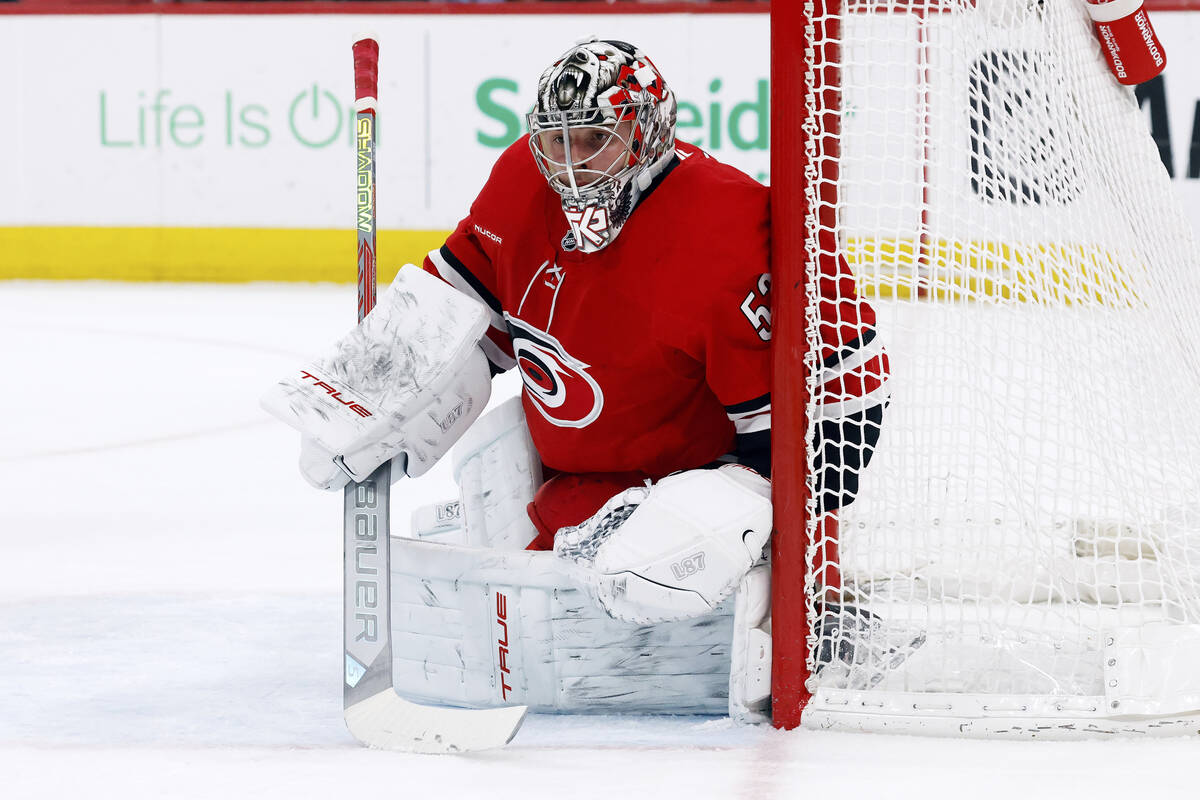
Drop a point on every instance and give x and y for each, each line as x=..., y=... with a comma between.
x=170, y=598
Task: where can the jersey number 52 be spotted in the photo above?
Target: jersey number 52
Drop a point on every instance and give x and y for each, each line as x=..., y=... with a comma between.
x=757, y=308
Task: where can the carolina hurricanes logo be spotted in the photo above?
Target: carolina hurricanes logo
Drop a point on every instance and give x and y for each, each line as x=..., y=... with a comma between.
x=559, y=385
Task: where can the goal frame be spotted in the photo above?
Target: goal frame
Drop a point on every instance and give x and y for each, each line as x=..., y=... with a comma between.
x=806, y=108
x=798, y=150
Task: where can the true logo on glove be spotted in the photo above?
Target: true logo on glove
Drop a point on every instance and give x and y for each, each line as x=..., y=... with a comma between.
x=336, y=394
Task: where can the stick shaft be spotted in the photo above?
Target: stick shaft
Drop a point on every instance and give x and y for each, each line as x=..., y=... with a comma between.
x=374, y=713
x=366, y=505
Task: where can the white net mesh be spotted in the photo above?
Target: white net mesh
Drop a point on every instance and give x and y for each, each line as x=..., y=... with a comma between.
x=1037, y=483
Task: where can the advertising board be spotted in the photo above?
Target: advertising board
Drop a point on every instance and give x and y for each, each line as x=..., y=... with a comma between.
x=219, y=147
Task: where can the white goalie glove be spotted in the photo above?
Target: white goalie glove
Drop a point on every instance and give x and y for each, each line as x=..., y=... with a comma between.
x=403, y=385
x=673, y=550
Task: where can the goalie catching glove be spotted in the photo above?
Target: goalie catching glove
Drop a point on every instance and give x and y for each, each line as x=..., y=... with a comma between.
x=675, y=549
x=403, y=385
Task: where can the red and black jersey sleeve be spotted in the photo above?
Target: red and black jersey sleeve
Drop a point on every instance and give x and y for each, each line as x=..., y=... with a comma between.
x=738, y=356
x=854, y=365
x=850, y=391
x=731, y=338
x=724, y=296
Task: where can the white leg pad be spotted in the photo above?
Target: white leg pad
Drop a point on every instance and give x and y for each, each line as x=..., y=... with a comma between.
x=498, y=471
x=750, y=669
x=477, y=627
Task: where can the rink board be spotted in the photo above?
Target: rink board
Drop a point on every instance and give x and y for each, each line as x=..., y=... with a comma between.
x=152, y=160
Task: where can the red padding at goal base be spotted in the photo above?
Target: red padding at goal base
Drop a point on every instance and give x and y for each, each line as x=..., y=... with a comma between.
x=366, y=68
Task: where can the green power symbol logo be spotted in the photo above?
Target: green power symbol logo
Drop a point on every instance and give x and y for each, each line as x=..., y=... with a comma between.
x=315, y=117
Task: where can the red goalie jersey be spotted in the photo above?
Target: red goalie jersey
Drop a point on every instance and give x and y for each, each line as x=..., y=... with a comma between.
x=651, y=355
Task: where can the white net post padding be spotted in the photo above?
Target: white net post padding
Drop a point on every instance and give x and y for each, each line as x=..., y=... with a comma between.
x=1024, y=553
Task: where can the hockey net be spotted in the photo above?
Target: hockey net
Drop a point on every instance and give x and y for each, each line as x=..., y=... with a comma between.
x=1024, y=553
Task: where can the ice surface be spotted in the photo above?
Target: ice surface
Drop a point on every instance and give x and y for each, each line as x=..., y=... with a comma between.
x=170, y=598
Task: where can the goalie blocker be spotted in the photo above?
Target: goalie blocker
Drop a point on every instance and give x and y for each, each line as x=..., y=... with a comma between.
x=403, y=385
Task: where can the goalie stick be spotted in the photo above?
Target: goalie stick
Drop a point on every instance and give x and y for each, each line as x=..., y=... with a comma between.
x=374, y=713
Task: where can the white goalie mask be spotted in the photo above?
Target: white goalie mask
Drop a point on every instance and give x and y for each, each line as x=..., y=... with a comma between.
x=602, y=129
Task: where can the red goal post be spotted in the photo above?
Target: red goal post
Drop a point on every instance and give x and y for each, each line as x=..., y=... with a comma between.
x=797, y=156
x=791, y=115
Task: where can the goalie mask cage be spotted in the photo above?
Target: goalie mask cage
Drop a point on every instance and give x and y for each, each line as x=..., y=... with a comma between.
x=1024, y=553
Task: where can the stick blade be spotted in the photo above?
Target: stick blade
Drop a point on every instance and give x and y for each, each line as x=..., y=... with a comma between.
x=386, y=721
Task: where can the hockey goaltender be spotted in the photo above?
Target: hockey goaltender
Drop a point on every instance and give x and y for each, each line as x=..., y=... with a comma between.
x=613, y=519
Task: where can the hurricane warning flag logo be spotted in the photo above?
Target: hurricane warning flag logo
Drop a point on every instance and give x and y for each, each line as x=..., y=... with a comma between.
x=559, y=385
